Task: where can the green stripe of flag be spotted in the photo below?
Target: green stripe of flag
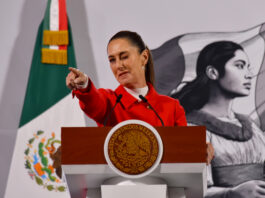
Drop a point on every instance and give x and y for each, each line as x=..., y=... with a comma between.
x=46, y=22
x=46, y=83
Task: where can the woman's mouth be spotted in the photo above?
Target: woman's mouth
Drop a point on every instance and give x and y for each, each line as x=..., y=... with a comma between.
x=122, y=74
x=247, y=85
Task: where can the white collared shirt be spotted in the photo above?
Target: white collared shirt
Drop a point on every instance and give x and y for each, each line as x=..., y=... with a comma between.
x=137, y=91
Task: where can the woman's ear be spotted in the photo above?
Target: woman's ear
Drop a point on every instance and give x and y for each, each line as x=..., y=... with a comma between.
x=212, y=72
x=145, y=56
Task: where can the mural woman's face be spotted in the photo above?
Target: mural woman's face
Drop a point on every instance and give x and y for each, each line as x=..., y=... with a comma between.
x=237, y=76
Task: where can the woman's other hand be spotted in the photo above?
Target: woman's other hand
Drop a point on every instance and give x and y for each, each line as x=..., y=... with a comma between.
x=210, y=152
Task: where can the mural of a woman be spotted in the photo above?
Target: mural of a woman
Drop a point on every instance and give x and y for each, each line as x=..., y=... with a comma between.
x=223, y=74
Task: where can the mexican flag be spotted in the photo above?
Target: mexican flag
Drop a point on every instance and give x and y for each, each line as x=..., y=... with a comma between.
x=48, y=105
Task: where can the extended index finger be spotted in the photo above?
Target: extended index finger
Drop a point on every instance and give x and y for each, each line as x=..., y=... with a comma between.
x=75, y=71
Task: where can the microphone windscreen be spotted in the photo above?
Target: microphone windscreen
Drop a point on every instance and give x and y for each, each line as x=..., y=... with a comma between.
x=119, y=98
x=142, y=98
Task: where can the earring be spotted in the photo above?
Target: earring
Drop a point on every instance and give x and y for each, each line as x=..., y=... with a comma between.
x=143, y=67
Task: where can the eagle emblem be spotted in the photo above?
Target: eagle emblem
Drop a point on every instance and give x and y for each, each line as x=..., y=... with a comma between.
x=43, y=161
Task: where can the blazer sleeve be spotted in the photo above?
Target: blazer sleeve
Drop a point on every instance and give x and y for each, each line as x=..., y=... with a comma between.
x=94, y=102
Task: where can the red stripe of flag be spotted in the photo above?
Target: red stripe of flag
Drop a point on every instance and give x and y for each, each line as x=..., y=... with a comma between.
x=63, y=24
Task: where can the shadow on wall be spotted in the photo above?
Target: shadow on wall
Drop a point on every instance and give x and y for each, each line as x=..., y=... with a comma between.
x=15, y=84
x=82, y=42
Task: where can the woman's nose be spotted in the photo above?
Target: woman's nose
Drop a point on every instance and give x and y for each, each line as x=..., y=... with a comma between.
x=120, y=65
x=249, y=74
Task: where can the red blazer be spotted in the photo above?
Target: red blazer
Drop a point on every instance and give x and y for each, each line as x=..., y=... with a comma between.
x=97, y=103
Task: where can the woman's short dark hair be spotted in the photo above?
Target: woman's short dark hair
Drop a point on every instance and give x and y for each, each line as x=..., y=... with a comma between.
x=136, y=40
x=195, y=94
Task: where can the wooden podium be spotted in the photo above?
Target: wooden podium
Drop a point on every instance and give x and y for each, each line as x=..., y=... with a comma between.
x=183, y=165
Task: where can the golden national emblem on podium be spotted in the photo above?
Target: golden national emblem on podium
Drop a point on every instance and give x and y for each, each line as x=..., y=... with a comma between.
x=133, y=148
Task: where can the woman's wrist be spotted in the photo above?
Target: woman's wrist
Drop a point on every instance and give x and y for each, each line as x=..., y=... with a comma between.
x=85, y=85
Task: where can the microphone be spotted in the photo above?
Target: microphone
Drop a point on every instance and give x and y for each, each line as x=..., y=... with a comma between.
x=109, y=114
x=146, y=101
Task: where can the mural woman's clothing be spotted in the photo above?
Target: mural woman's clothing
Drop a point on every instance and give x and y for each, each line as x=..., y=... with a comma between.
x=239, y=148
x=97, y=103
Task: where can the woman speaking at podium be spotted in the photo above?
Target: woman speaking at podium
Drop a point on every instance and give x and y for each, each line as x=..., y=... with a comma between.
x=135, y=98
x=131, y=63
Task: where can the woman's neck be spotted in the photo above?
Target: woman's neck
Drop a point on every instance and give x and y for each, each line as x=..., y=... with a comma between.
x=219, y=105
x=136, y=85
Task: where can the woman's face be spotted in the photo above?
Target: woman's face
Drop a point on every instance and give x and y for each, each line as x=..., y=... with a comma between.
x=237, y=76
x=127, y=64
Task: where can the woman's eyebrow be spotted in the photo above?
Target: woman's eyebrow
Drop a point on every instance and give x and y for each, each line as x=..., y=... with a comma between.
x=241, y=61
x=124, y=52
x=120, y=54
